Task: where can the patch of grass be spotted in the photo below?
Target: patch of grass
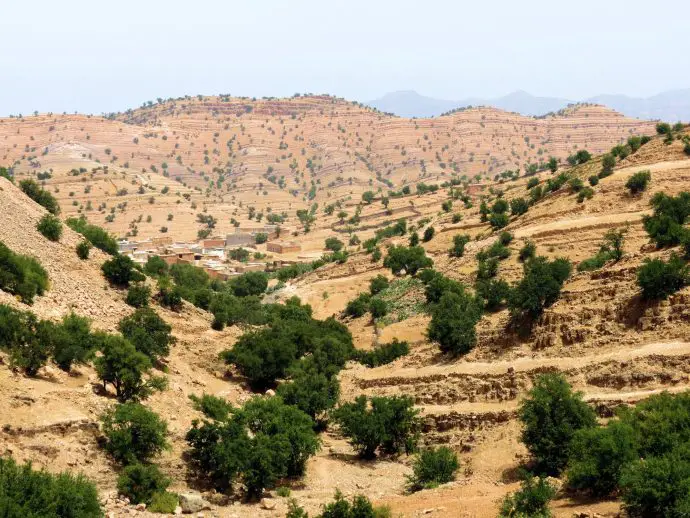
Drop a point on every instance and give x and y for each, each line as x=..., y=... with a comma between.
x=404, y=298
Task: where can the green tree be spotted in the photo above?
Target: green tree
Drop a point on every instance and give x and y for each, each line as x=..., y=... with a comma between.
x=72, y=341
x=120, y=271
x=540, y=286
x=659, y=279
x=433, y=467
x=334, y=244
x=551, y=415
x=429, y=234
x=368, y=197
x=83, y=250
x=148, y=333
x=141, y=482
x=21, y=275
x=453, y=323
x=156, y=266
x=531, y=500
x=518, y=206
x=97, y=236
x=133, y=433
x=138, y=295
x=378, y=284
x=40, y=196
x=459, y=242
x=249, y=284
x=410, y=260
x=608, y=162
x=638, y=182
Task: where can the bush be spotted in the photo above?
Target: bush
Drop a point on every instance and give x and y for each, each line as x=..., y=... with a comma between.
x=97, y=236
x=213, y=407
x=378, y=307
x=360, y=507
x=457, y=217
x=378, y=284
x=540, y=286
x=459, y=242
x=40, y=196
x=156, y=266
x=433, y=467
x=164, y=503
x=21, y=275
x=414, y=239
x=83, y=250
x=638, y=182
x=410, y=260
x=334, y=244
x=261, y=443
x=120, y=271
x=659, y=486
x=50, y=227
x=518, y=206
x=260, y=238
x=29, y=493
x=133, y=433
x=551, y=415
x=72, y=342
x=608, y=162
x=387, y=424
x=429, y=234
x=359, y=306
x=531, y=500
x=585, y=194
x=665, y=225
x=169, y=297
x=663, y=128
x=659, y=279
x=493, y=292
x=248, y=284
x=26, y=338
x=498, y=220
x=311, y=391
x=527, y=252
x=611, y=249
x=437, y=284
x=453, y=323
x=382, y=354
x=141, y=482
x=138, y=295
x=593, y=180
x=597, y=456
x=122, y=366
x=147, y=332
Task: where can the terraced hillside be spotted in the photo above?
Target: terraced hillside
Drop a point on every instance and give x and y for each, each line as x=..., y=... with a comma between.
x=609, y=343
x=224, y=155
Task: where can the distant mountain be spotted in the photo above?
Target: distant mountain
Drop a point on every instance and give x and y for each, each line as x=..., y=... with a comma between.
x=673, y=105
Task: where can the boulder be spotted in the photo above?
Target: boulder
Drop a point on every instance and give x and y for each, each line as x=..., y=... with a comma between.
x=193, y=503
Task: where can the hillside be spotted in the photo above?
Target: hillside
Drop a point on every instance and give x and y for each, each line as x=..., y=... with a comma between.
x=609, y=343
x=221, y=155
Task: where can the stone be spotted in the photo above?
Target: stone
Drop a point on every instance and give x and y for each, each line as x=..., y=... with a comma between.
x=268, y=504
x=140, y=507
x=178, y=510
x=193, y=503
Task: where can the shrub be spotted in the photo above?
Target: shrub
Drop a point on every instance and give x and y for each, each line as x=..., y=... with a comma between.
x=97, y=236
x=457, y=217
x=21, y=275
x=359, y=306
x=141, y=482
x=459, y=242
x=611, y=249
x=378, y=307
x=120, y=271
x=663, y=128
x=122, y=366
x=133, y=433
x=382, y=354
x=659, y=279
x=608, y=162
x=147, y=332
x=658, y=486
x=261, y=443
x=26, y=338
x=585, y=194
x=540, y=286
x=72, y=342
x=378, y=284
x=25, y=492
x=498, y=220
x=505, y=238
x=437, y=284
x=156, y=266
x=665, y=225
x=40, y=196
x=138, y=295
x=576, y=185
x=453, y=322
x=83, y=250
x=493, y=292
x=433, y=467
x=334, y=244
x=359, y=507
x=518, y=206
x=164, y=503
x=597, y=456
x=213, y=407
x=429, y=234
x=410, y=260
x=551, y=415
x=260, y=238
x=638, y=182
x=248, y=284
x=414, y=239
x=311, y=391
x=527, y=252
x=531, y=500
x=593, y=180
x=50, y=227
x=387, y=424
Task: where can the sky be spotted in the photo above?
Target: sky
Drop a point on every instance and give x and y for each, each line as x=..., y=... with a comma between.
x=99, y=56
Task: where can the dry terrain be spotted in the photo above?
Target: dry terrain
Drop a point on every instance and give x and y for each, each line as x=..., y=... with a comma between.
x=612, y=346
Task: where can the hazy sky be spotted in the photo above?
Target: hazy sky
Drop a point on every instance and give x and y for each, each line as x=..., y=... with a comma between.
x=99, y=56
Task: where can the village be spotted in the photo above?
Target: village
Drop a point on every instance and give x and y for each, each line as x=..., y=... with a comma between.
x=248, y=249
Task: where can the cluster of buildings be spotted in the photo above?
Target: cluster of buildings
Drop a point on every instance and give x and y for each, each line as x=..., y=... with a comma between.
x=214, y=254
